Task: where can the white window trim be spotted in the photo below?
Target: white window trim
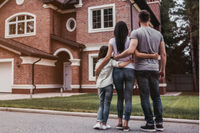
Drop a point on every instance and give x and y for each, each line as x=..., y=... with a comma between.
x=68, y=24
x=19, y=2
x=90, y=9
x=90, y=70
x=21, y=35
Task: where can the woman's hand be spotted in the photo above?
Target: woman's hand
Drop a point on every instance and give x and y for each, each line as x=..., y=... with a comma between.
x=115, y=57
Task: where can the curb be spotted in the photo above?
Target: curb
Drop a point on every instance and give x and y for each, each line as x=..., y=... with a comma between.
x=82, y=114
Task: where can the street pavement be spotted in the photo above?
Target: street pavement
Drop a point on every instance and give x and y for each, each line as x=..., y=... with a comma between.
x=15, y=122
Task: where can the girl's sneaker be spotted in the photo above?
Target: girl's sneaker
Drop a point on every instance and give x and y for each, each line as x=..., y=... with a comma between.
x=106, y=127
x=97, y=126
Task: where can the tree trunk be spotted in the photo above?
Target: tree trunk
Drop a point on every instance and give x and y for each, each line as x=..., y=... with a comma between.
x=192, y=54
x=197, y=52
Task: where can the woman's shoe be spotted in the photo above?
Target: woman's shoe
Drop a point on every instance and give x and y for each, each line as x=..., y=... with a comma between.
x=105, y=127
x=97, y=126
x=119, y=126
x=126, y=128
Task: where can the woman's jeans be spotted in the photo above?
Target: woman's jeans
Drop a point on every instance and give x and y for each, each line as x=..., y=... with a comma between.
x=105, y=97
x=121, y=76
x=148, y=82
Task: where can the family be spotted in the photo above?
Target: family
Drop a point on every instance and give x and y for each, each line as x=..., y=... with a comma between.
x=144, y=43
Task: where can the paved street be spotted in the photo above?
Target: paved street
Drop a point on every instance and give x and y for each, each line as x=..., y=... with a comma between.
x=14, y=122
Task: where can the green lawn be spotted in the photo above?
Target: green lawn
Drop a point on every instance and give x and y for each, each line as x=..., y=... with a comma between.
x=183, y=107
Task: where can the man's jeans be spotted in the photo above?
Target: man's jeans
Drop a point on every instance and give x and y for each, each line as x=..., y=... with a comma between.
x=121, y=76
x=105, y=97
x=148, y=82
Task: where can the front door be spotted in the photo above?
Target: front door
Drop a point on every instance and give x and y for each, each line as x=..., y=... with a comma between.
x=67, y=76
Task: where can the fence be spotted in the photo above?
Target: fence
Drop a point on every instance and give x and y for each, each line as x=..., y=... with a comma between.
x=180, y=82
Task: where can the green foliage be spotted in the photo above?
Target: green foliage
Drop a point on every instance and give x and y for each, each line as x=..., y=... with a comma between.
x=183, y=107
x=176, y=37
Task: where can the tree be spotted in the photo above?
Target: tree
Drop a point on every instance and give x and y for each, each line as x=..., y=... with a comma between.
x=189, y=14
x=177, y=61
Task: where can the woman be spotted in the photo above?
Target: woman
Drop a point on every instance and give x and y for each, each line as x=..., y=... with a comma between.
x=124, y=75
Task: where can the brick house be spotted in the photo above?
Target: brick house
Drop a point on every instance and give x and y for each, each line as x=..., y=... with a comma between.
x=49, y=44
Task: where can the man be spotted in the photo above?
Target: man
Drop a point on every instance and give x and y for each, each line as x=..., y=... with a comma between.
x=147, y=40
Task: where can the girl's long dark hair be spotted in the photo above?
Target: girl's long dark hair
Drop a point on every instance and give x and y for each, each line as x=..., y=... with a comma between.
x=120, y=33
x=103, y=52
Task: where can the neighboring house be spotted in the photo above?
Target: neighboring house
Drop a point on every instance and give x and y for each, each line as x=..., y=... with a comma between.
x=49, y=44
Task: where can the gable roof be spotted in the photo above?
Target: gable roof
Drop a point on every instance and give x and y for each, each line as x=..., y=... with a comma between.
x=66, y=41
x=3, y=2
x=26, y=50
x=62, y=4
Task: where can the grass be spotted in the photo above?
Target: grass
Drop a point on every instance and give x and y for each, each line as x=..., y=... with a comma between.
x=191, y=93
x=182, y=107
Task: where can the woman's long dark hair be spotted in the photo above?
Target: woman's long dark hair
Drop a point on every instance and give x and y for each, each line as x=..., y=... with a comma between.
x=120, y=33
x=103, y=52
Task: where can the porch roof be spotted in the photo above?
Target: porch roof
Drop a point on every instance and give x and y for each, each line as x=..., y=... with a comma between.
x=62, y=4
x=67, y=42
x=144, y=6
x=25, y=49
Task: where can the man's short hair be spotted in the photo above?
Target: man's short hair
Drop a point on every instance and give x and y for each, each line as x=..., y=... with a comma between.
x=144, y=16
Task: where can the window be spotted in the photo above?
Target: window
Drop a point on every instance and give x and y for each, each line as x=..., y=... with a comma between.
x=92, y=63
x=101, y=18
x=71, y=24
x=19, y=25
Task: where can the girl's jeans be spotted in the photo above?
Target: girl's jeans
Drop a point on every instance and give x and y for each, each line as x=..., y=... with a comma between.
x=121, y=76
x=105, y=97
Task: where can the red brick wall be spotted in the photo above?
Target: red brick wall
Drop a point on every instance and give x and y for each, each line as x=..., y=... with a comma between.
x=57, y=45
x=57, y=23
x=122, y=14
x=42, y=39
x=65, y=33
x=23, y=74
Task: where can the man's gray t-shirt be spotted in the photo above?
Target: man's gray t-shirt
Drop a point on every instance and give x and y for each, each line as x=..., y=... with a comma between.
x=148, y=42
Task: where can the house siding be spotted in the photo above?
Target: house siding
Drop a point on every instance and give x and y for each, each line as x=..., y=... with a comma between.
x=122, y=14
x=41, y=40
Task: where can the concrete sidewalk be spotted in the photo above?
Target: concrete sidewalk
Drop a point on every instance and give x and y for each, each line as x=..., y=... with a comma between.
x=8, y=96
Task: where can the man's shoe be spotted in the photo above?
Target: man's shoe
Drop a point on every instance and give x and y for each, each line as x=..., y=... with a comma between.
x=148, y=128
x=159, y=128
x=126, y=128
x=119, y=126
x=97, y=126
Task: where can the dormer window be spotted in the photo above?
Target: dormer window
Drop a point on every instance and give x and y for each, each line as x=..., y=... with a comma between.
x=20, y=25
x=101, y=18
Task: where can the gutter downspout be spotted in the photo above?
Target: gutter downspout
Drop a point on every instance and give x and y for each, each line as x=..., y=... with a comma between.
x=53, y=19
x=132, y=16
x=80, y=71
x=33, y=82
